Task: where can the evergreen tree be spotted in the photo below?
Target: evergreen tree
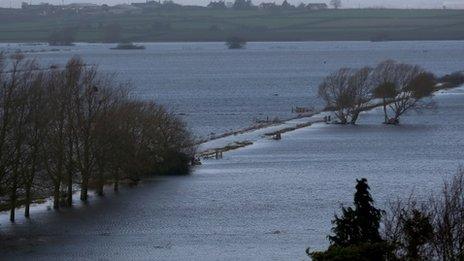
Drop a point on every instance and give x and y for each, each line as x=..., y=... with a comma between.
x=360, y=224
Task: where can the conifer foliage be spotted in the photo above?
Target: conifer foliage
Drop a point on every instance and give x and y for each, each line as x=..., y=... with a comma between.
x=359, y=224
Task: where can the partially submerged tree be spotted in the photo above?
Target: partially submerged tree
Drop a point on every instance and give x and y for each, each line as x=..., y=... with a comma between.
x=387, y=92
x=452, y=80
x=336, y=93
x=347, y=93
x=73, y=126
x=419, y=86
x=236, y=42
x=361, y=92
x=401, y=87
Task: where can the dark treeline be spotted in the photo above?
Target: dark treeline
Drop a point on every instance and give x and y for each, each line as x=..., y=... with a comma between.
x=70, y=128
x=408, y=230
x=400, y=87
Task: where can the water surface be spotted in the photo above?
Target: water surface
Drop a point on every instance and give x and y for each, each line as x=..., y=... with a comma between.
x=216, y=89
x=268, y=201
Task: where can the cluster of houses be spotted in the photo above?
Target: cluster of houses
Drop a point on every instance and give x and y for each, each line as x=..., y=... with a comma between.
x=45, y=9
x=286, y=5
x=247, y=4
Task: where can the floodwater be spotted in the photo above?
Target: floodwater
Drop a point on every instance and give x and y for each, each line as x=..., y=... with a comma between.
x=268, y=201
x=217, y=90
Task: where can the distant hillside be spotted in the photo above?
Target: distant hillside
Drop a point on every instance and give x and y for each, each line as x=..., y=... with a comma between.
x=201, y=24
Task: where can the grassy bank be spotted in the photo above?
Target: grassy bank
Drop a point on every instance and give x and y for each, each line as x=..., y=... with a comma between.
x=200, y=24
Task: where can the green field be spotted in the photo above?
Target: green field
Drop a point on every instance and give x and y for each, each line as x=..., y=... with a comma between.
x=201, y=24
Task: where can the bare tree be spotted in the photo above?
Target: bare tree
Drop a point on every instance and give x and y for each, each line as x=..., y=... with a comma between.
x=419, y=85
x=17, y=138
x=347, y=92
x=401, y=87
x=87, y=104
x=61, y=127
x=109, y=141
x=361, y=92
x=34, y=135
x=71, y=77
x=432, y=230
x=15, y=118
x=335, y=91
x=408, y=229
x=54, y=145
x=448, y=219
x=387, y=92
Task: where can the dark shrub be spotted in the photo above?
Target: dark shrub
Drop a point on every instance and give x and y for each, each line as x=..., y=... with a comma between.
x=174, y=163
x=361, y=252
x=236, y=43
x=454, y=79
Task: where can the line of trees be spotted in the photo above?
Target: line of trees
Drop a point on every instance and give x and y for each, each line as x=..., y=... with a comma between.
x=432, y=230
x=63, y=129
x=399, y=86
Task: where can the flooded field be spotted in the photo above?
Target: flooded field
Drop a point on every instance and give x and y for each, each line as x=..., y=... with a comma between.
x=217, y=90
x=268, y=201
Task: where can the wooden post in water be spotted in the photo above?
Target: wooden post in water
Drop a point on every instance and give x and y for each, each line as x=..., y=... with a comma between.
x=218, y=154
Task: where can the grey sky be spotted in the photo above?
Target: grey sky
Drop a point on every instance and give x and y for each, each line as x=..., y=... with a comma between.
x=346, y=3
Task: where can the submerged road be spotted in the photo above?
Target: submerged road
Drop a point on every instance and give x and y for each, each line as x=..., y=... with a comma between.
x=267, y=201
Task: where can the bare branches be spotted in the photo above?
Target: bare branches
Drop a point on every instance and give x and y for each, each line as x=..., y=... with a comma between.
x=431, y=230
x=347, y=92
x=400, y=86
x=73, y=126
x=335, y=91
